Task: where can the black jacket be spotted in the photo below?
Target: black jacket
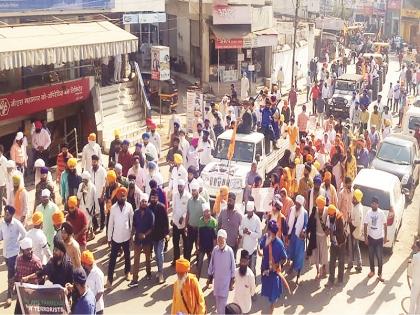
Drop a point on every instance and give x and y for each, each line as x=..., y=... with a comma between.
x=161, y=227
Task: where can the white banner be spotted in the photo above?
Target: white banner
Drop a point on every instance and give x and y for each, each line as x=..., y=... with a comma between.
x=263, y=198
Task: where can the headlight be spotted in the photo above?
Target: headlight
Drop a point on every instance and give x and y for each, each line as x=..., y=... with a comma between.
x=346, y=102
x=235, y=183
x=404, y=180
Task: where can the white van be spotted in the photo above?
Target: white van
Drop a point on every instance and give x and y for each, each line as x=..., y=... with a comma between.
x=388, y=189
x=411, y=120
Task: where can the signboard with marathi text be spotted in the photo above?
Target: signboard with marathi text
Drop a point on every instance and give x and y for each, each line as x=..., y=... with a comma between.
x=25, y=102
x=232, y=15
x=42, y=299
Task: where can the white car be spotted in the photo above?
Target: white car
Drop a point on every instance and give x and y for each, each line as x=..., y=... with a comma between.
x=391, y=195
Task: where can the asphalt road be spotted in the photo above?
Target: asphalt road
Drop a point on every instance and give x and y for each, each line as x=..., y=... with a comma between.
x=359, y=295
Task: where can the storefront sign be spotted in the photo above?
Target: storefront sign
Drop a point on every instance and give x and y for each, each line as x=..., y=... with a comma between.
x=156, y=17
x=227, y=14
x=222, y=43
x=25, y=102
x=260, y=41
x=40, y=299
x=160, y=63
x=415, y=14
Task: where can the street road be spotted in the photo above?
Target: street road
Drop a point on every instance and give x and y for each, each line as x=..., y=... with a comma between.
x=359, y=295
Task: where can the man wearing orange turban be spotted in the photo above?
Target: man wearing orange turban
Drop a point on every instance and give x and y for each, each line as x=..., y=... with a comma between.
x=94, y=279
x=187, y=297
x=91, y=148
x=78, y=219
x=110, y=194
x=330, y=191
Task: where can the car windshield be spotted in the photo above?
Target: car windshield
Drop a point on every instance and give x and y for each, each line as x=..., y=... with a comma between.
x=369, y=192
x=394, y=153
x=413, y=122
x=345, y=85
x=244, y=151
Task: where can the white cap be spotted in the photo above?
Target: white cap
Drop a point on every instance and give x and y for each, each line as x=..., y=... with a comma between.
x=181, y=182
x=250, y=206
x=206, y=206
x=46, y=193
x=10, y=164
x=144, y=196
x=194, y=185
x=39, y=163
x=86, y=175
x=26, y=243
x=222, y=233
x=19, y=136
x=118, y=167
x=300, y=200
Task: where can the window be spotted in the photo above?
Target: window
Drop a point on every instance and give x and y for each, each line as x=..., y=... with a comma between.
x=393, y=153
x=369, y=192
x=244, y=151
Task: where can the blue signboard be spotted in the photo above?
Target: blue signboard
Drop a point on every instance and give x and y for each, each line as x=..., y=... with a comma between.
x=53, y=5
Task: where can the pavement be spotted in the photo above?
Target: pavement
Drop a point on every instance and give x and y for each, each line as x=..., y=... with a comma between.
x=359, y=295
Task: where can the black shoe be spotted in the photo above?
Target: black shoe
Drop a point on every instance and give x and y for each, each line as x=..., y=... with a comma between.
x=149, y=276
x=133, y=284
x=359, y=269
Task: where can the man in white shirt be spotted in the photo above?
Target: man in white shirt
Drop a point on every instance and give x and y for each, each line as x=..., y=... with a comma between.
x=244, y=284
x=41, y=141
x=149, y=149
x=204, y=148
x=250, y=230
x=88, y=200
x=98, y=177
x=396, y=94
x=95, y=279
x=155, y=138
x=375, y=232
x=152, y=174
x=355, y=225
x=119, y=232
x=39, y=240
x=390, y=95
x=179, y=212
x=178, y=172
x=3, y=177
x=139, y=172
x=90, y=149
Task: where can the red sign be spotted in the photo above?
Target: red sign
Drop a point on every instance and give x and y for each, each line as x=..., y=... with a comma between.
x=25, y=102
x=222, y=43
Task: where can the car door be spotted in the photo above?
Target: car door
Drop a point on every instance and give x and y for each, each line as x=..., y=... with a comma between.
x=399, y=200
x=416, y=170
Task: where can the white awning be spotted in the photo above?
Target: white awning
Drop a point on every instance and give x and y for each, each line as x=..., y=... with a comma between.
x=34, y=45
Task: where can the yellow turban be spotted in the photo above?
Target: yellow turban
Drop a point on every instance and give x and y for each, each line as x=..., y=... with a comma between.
x=92, y=137
x=387, y=122
x=309, y=158
x=117, y=132
x=182, y=265
x=321, y=201
x=72, y=202
x=71, y=163
x=37, y=218
x=87, y=258
x=111, y=176
x=58, y=217
x=332, y=210
x=178, y=158
x=297, y=161
x=327, y=176
x=282, y=118
x=358, y=195
x=221, y=195
x=317, y=165
x=16, y=180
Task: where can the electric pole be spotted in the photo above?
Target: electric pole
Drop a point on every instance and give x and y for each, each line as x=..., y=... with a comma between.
x=294, y=43
x=200, y=38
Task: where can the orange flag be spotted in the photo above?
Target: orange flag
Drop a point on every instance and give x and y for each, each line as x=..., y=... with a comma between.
x=231, y=149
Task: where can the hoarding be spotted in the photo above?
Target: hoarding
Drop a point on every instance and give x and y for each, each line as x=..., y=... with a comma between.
x=25, y=102
x=160, y=67
x=53, y=5
x=227, y=14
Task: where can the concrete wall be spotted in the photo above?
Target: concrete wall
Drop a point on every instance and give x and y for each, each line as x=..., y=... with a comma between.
x=284, y=59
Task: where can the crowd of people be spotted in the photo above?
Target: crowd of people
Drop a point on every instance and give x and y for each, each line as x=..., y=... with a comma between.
x=315, y=213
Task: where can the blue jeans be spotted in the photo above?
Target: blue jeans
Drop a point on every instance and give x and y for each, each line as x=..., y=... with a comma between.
x=158, y=249
x=375, y=249
x=252, y=262
x=11, y=264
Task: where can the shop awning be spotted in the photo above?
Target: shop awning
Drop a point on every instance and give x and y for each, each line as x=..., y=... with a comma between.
x=34, y=45
x=240, y=36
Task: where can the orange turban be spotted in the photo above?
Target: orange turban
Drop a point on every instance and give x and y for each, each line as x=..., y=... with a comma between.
x=321, y=201
x=111, y=176
x=92, y=137
x=327, y=176
x=58, y=217
x=309, y=158
x=37, y=218
x=72, y=202
x=182, y=265
x=121, y=192
x=317, y=165
x=87, y=257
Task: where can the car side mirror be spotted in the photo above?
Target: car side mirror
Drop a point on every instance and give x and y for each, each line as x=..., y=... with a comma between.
x=417, y=161
x=257, y=157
